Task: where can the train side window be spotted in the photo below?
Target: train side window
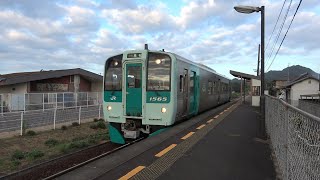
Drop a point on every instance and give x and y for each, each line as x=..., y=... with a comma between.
x=210, y=87
x=181, y=83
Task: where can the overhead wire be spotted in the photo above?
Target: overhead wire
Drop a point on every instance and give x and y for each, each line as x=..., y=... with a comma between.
x=284, y=37
x=280, y=31
x=274, y=27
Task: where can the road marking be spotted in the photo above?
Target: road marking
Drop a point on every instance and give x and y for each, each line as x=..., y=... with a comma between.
x=132, y=173
x=216, y=116
x=187, y=136
x=203, y=125
x=161, y=153
x=210, y=121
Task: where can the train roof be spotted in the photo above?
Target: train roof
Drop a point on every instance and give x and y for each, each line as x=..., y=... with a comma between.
x=181, y=58
x=199, y=65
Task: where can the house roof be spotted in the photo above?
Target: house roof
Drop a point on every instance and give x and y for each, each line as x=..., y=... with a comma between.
x=22, y=77
x=243, y=75
x=301, y=78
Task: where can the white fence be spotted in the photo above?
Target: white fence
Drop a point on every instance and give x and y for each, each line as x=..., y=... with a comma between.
x=295, y=139
x=37, y=101
x=19, y=112
x=21, y=121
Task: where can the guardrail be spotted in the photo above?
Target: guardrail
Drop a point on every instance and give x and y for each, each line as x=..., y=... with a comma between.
x=295, y=139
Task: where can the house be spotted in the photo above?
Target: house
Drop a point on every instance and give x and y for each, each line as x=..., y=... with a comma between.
x=68, y=80
x=46, y=89
x=278, y=85
x=303, y=85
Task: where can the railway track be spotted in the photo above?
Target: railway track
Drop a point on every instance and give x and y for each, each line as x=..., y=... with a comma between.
x=66, y=163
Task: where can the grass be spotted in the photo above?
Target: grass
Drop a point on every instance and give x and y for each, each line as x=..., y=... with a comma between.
x=22, y=151
x=51, y=142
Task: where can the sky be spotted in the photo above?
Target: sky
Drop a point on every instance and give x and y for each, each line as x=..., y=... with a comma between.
x=64, y=34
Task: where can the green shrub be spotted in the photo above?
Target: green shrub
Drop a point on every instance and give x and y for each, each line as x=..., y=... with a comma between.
x=51, y=142
x=34, y=154
x=92, y=141
x=15, y=163
x=79, y=144
x=64, y=148
x=17, y=155
x=95, y=120
x=101, y=125
x=93, y=126
x=31, y=133
x=78, y=139
x=75, y=124
x=101, y=119
x=64, y=127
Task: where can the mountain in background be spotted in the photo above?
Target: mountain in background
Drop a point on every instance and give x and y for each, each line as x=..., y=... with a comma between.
x=293, y=72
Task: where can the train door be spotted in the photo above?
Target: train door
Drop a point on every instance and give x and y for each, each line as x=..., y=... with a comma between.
x=185, y=92
x=192, y=95
x=134, y=89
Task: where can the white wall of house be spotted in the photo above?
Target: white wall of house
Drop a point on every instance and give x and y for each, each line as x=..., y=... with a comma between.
x=20, y=88
x=308, y=86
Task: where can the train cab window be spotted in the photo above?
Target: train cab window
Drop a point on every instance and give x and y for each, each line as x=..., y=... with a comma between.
x=113, y=74
x=159, y=69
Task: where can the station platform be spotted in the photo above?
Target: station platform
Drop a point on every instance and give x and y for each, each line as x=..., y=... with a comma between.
x=219, y=144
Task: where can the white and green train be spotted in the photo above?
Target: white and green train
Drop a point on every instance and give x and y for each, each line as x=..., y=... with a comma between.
x=146, y=91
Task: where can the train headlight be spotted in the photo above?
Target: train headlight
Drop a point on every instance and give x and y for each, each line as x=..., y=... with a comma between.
x=158, y=61
x=109, y=108
x=163, y=110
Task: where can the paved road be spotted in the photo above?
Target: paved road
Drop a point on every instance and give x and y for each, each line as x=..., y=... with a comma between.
x=229, y=151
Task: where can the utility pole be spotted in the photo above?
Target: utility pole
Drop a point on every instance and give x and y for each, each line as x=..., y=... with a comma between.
x=258, y=70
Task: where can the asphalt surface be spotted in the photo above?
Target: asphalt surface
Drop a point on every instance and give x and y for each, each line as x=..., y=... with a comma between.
x=229, y=151
x=143, y=153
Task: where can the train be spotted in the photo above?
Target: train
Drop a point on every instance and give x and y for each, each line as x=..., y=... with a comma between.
x=147, y=91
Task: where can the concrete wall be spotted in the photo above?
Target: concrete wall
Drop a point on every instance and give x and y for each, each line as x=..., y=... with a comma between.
x=304, y=87
x=15, y=88
x=310, y=107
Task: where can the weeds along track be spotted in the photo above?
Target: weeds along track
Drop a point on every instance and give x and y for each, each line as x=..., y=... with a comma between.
x=66, y=163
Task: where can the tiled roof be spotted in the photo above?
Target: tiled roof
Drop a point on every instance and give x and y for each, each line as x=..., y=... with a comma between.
x=21, y=77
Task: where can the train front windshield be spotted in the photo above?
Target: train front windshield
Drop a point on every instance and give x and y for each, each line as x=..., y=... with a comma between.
x=159, y=68
x=113, y=76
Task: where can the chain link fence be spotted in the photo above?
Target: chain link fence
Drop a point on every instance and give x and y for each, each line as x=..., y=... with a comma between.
x=295, y=139
x=310, y=106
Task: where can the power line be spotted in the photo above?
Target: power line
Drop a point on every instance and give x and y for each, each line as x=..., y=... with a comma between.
x=285, y=34
x=274, y=27
x=279, y=32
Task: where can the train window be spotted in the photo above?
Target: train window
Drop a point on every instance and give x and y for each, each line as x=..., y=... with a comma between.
x=181, y=83
x=192, y=76
x=210, y=85
x=113, y=74
x=134, y=77
x=159, y=68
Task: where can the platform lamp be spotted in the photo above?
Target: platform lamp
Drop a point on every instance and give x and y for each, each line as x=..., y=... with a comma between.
x=248, y=10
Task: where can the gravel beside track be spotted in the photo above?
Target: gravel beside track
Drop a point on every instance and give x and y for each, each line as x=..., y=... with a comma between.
x=51, y=167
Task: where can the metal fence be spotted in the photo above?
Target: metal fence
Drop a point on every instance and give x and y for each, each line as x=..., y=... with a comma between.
x=37, y=101
x=21, y=121
x=295, y=139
